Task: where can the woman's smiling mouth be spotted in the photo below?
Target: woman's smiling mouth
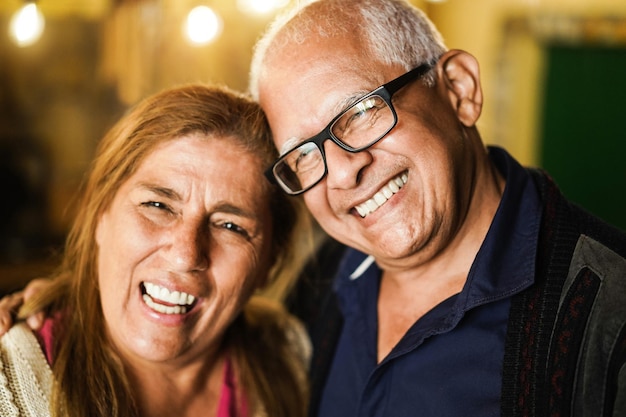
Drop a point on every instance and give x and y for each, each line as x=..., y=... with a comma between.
x=161, y=300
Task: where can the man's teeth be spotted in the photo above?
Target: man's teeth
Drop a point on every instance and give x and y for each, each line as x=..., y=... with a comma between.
x=178, y=301
x=382, y=196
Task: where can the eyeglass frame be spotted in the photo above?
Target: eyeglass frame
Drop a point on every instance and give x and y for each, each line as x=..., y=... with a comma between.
x=385, y=91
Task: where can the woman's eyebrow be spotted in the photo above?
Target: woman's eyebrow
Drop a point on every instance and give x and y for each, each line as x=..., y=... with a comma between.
x=226, y=207
x=162, y=191
x=222, y=206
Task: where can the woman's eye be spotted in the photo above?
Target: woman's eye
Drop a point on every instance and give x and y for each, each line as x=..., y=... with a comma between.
x=156, y=204
x=157, y=211
x=233, y=227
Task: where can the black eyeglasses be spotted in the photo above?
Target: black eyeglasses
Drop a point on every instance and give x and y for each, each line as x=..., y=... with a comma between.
x=355, y=129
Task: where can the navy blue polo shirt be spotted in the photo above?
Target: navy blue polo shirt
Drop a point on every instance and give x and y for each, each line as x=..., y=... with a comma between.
x=449, y=363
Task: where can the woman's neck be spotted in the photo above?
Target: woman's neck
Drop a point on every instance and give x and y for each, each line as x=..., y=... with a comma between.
x=192, y=390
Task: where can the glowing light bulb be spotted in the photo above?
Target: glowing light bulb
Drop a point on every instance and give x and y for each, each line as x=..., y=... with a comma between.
x=203, y=25
x=26, y=25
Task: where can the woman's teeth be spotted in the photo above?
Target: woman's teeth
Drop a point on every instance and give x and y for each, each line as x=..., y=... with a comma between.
x=178, y=301
x=382, y=195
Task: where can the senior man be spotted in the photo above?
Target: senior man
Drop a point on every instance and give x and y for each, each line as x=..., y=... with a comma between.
x=470, y=285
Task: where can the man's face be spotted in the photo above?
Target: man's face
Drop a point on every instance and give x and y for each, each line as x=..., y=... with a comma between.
x=424, y=154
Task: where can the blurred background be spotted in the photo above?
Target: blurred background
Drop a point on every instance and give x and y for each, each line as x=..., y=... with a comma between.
x=553, y=73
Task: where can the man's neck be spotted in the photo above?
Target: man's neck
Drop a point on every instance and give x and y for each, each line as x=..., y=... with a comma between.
x=406, y=294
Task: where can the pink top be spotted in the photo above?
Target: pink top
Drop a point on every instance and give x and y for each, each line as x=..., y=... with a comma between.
x=227, y=406
x=46, y=340
x=228, y=399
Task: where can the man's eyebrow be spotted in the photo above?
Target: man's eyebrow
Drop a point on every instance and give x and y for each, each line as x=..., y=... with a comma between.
x=350, y=100
x=289, y=143
x=341, y=106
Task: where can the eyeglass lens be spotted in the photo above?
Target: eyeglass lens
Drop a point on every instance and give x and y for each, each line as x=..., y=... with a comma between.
x=357, y=128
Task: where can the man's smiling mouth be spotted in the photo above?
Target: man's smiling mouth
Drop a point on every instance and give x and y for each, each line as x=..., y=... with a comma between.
x=161, y=300
x=382, y=195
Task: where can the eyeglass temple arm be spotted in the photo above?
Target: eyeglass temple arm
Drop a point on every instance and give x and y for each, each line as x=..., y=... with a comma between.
x=394, y=85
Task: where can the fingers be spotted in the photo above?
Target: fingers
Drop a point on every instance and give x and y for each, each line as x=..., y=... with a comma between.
x=9, y=305
x=35, y=286
x=35, y=321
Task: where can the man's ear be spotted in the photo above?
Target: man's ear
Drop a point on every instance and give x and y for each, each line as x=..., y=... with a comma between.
x=460, y=75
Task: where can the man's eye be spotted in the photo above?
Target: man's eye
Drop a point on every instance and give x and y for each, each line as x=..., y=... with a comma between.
x=365, y=106
x=366, y=109
x=308, y=158
x=362, y=115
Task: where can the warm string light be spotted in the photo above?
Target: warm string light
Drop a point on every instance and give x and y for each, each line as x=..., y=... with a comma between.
x=27, y=25
x=202, y=25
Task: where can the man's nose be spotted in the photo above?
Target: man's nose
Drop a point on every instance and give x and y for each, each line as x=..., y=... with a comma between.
x=344, y=168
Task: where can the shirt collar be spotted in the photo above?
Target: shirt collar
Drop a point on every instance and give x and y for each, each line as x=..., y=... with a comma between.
x=505, y=263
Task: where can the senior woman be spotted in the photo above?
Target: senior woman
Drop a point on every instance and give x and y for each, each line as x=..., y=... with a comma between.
x=152, y=312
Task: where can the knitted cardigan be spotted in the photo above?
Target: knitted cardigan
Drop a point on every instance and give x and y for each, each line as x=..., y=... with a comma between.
x=25, y=376
x=565, y=349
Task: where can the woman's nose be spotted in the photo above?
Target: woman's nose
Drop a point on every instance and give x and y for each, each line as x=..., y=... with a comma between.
x=188, y=249
x=344, y=168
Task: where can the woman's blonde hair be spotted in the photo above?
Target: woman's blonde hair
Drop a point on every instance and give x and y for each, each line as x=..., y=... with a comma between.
x=90, y=378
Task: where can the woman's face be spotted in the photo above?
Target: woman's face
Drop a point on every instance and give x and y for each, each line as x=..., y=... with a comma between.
x=182, y=247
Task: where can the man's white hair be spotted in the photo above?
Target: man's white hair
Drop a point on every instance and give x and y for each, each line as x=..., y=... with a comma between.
x=392, y=32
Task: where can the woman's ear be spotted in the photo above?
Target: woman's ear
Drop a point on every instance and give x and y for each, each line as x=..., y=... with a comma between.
x=460, y=75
